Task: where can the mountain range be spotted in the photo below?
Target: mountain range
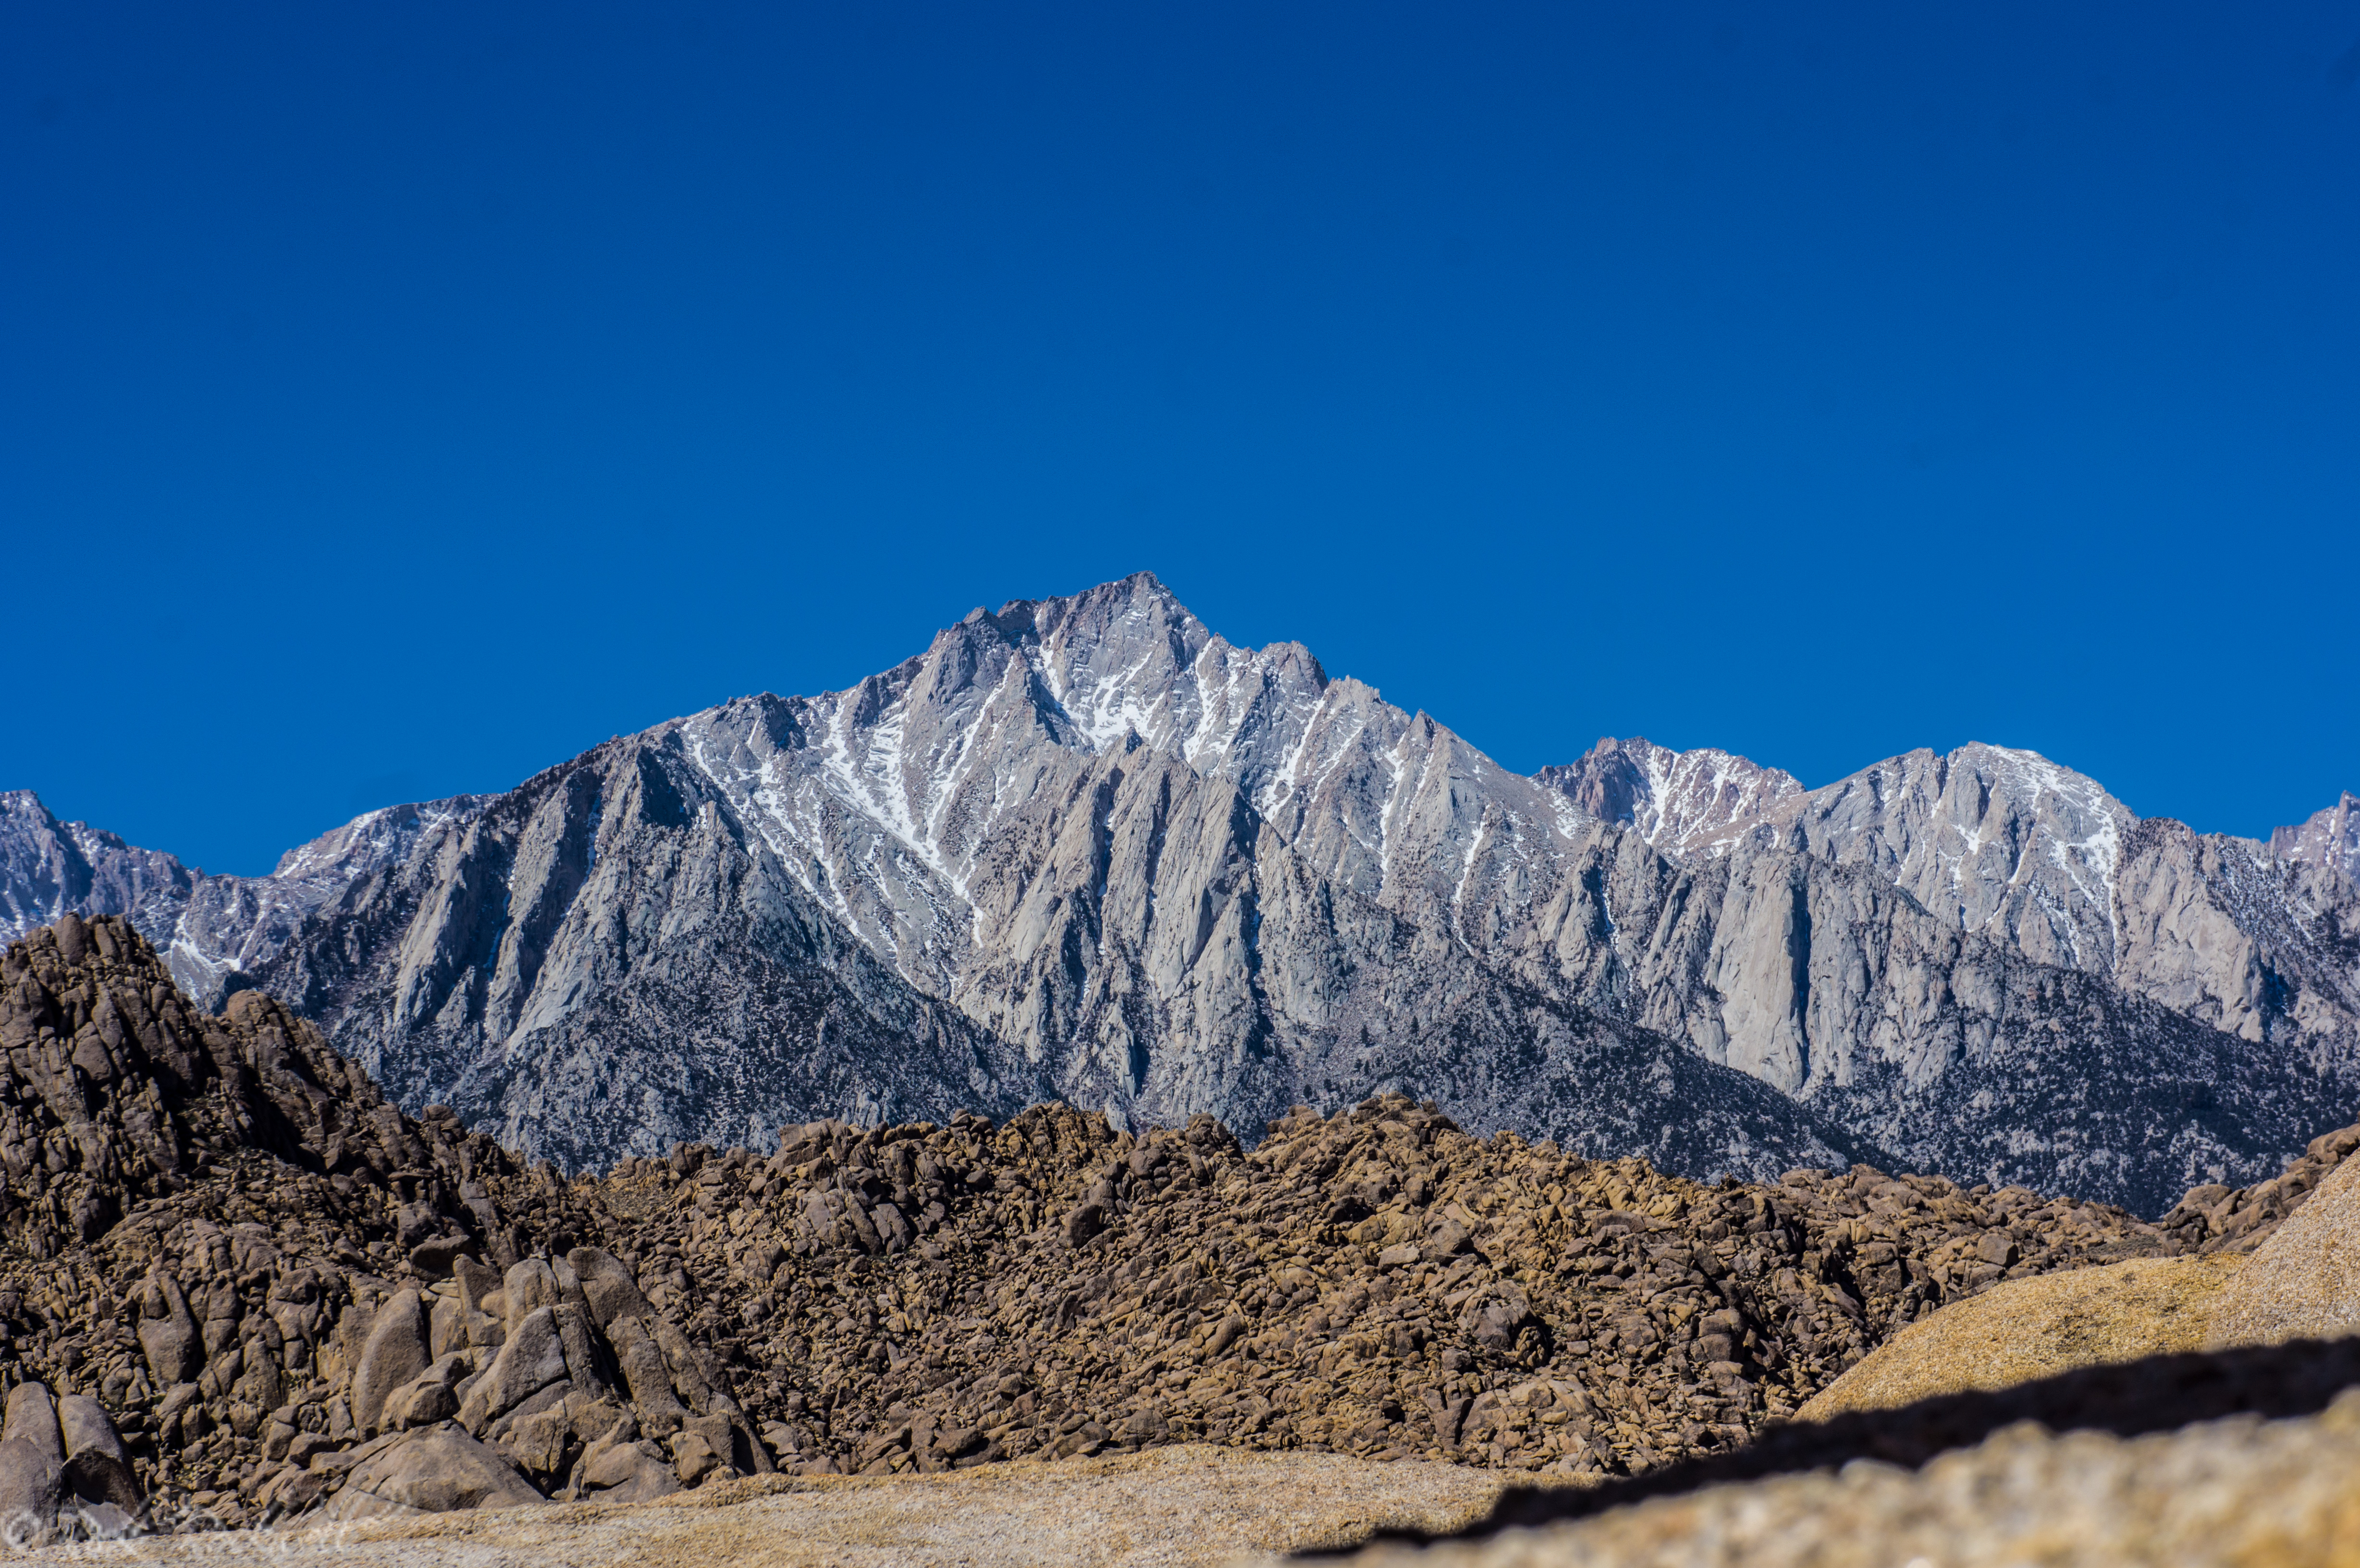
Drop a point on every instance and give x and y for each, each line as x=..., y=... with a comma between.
x=1083, y=848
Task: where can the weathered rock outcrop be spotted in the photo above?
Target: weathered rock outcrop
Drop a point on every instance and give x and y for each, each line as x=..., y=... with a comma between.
x=441, y=1470
x=220, y=1235
x=63, y=1469
x=287, y=1296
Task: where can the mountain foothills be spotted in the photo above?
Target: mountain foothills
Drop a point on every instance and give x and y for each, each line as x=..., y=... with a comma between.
x=1083, y=849
x=236, y=1284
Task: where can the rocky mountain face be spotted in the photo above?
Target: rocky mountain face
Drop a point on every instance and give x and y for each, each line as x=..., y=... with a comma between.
x=697, y=931
x=48, y=868
x=2330, y=839
x=1679, y=801
x=2252, y=940
x=1085, y=848
x=212, y=930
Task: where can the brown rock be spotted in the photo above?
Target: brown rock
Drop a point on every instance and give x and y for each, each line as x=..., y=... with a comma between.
x=167, y=1334
x=619, y=1468
x=642, y=1363
x=695, y=1457
x=430, y=1397
x=528, y=1287
x=31, y=1483
x=1316, y=1289
x=533, y=1358
x=98, y=1467
x=32, y=1420
x=608, y=1286
x=439, y=1470
x=396, y=1351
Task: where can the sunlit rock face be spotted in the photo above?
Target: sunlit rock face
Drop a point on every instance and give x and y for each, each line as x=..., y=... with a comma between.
x=1085, y=848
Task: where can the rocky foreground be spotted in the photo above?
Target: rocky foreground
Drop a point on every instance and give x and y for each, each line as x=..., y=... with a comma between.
x=2216, y=1494
x=2170, y=1412
x=230, y=1267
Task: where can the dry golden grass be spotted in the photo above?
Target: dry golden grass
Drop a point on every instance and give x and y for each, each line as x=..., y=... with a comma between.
x=2027, y=1329
x=2303, y=1283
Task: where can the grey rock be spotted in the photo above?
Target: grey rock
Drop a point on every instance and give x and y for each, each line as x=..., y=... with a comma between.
x=1083, y=848
x=211, y=929
x=1135, y=868
x=98, y=1467
x=2330, y=838
x=31, y=1488
x=438, y=1470
x=396, y=1351
x=48, y=868
x=1681, y=801
x=532, y=1359
x=937, y=985
x=32, y=1420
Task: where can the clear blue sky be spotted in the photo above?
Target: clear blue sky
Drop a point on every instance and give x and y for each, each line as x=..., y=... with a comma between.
x=395, y=400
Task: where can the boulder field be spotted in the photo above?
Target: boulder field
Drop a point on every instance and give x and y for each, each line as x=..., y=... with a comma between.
x=266, y=1293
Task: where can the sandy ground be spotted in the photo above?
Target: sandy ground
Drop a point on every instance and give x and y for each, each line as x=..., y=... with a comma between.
x=1184, y=1506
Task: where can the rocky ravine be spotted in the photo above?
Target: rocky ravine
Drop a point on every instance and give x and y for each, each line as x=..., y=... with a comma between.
x=283, y=1294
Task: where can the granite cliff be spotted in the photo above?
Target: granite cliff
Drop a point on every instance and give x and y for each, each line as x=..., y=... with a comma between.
x=1085, y=848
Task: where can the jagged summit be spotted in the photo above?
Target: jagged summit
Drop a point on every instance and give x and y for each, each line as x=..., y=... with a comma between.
x=210, y=929
x=1085, y=847
x=2330, y=838
x=1699, y=799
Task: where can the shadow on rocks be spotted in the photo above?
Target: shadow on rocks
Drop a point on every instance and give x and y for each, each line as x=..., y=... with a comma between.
x=2157, y=1393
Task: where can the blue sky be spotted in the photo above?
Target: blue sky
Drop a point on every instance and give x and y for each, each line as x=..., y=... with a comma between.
x=396, y=400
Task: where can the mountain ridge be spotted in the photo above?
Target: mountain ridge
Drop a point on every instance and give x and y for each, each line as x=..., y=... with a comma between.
x=1083, y=846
